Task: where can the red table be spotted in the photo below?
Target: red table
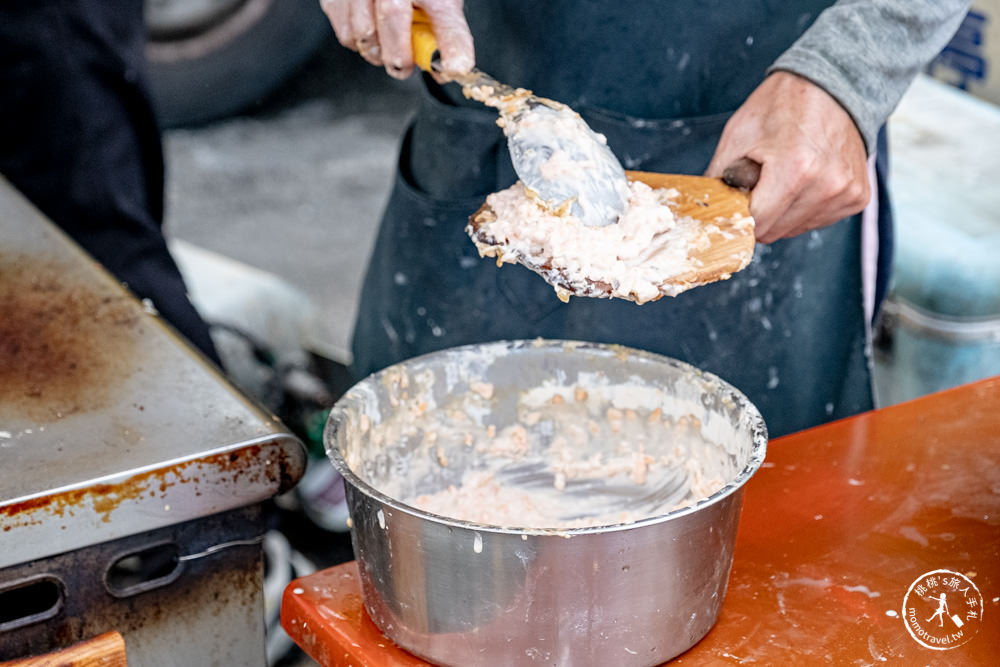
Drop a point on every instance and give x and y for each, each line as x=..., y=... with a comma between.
x=837, y=526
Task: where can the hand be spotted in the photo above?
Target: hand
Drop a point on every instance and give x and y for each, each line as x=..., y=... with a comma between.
x=380, y=31
x=814, y=168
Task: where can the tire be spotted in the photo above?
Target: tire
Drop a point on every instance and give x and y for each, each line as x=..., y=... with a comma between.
x=212, y=58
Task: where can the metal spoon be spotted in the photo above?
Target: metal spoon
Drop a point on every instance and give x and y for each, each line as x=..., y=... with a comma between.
x=557, y=156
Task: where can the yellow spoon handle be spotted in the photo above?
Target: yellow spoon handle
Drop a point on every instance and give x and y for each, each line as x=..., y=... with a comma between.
x=422, y=39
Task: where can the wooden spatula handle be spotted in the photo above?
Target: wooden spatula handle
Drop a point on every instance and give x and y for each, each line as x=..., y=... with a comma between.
x=742, y=173
x=107, y=650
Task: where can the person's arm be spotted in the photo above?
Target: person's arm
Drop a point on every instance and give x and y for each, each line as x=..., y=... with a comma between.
x=380, y=31
x=865, y=53
x=814, y=119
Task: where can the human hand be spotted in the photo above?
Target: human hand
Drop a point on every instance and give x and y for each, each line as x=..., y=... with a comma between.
x=380, y=31
x=814, y=170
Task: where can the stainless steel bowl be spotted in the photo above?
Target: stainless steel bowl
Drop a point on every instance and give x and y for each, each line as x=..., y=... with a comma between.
x=461, y=593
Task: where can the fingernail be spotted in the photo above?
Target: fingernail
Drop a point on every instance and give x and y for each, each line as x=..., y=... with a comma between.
x=368, y=47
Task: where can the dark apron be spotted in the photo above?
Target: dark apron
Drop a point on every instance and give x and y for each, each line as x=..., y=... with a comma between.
x=788, y=331
x=79, y=138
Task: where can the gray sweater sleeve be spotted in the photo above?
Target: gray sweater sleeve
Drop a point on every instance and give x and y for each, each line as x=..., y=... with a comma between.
x=865, y=53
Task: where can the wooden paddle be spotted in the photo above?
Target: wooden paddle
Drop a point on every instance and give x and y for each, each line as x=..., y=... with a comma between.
x=107, y=650
x=708, y=200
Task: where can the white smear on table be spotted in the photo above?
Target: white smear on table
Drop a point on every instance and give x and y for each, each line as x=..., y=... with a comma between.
x=804, y=581
x=911, y=533
x=862, y=589
x=873, y=650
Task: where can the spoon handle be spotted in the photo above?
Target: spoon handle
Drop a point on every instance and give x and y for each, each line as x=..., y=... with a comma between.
x=427, y=58
x=422, y=41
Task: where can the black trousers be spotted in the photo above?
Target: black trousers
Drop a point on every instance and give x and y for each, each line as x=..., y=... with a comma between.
x=79, y=138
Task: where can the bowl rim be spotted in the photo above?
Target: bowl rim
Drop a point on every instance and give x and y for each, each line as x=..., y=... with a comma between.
x=758, y=432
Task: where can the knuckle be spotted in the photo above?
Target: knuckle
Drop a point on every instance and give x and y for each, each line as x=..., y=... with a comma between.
x=863, y=192
x=836, y=186
x=853, y=192
x=803, y=165
x=390, y=8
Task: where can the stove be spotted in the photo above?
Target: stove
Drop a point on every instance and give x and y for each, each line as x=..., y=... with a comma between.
x=131, y=472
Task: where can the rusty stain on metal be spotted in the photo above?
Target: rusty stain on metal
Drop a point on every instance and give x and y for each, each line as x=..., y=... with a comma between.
x=221, y=592
x=64, y=347
x=241, y=466
x=218, y=585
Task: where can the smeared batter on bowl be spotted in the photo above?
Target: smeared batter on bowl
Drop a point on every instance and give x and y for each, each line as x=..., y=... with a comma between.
x=571, y=461
x=572, y=455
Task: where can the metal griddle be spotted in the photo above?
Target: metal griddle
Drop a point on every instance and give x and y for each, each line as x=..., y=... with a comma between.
x=115, y=437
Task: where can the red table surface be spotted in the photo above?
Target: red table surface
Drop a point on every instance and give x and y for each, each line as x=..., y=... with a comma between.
x=836, y=526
